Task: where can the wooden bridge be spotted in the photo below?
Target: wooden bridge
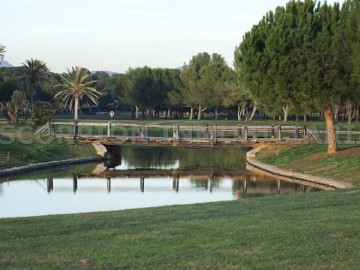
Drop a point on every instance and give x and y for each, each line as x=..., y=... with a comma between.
x=114, y=133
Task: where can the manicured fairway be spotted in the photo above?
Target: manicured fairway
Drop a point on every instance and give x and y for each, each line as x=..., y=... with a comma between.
x=302, y=231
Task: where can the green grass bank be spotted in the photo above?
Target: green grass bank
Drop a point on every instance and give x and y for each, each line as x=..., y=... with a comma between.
x=19, y=146
x=312, y=159
x=302, y=231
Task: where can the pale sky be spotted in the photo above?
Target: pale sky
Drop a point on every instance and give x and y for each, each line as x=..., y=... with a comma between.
x=114, y=35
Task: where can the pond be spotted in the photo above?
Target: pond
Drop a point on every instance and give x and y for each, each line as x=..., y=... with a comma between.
x=142, y=177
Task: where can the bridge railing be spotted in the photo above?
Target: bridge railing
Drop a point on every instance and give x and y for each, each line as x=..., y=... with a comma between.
x=176, y=133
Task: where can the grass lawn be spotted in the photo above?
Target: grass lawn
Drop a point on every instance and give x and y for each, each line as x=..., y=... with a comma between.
x=312, y=159
x=301, y=231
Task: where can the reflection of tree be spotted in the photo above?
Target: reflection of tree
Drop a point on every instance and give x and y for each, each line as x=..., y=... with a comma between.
x=217, y=158
x=189, y=158
x=264, y=187
x=149, y=157
x=205, y=183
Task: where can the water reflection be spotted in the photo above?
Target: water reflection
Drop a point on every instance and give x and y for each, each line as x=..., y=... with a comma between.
x=247, y=187
x=142, y=177
x=182, y=158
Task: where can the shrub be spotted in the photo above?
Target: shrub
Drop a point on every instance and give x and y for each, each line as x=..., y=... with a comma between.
x=42, y=113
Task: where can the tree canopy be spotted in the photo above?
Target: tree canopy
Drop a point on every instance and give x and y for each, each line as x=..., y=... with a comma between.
x=296, y=56
x=74, y=87
x=36, y=72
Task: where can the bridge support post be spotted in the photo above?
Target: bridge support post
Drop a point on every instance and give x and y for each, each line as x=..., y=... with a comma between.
x=75, y=183
x=142, y=131
x=76, y=129
x=108, y=182
x=176, y=183
x=304, y=134
x=279, y=133
x=176, y=132
x=51, y=129
x=278, y=186
x=50, y=185
x=296, y=135
x=211, y=134
x=245, y=132
x=142, y=184
x=109, y=129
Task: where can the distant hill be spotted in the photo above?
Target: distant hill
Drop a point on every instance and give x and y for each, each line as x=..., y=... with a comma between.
x=5, y=64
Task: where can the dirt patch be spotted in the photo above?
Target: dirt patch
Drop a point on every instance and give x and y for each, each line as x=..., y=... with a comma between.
x=272, y=149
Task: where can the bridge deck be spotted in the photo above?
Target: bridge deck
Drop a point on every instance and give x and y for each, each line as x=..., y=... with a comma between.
x=118, y=134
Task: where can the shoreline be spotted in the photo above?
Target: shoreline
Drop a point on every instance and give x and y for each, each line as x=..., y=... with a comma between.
x=290, y=176
x=100, y=151
x=47, y=165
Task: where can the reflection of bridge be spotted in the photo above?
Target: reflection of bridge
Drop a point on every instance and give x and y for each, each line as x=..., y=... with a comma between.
x=114, y=133
x=243, y=181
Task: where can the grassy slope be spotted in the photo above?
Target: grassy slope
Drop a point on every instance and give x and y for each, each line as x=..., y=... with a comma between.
x=344, y=166
x=310, y=230
x=34, y=151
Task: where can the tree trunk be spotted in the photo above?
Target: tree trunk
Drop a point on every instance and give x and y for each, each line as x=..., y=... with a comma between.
x=329, y=118
x=357, y=114
x=336, y=114
x=137, y=111
x=76, y=108
x=296, y=118
x=216, y=113
x=191, y=113
x=286, y=111
x=239, y=113
x=199, y=113
x=350, y=109
x=305, y=118
x=252, y=113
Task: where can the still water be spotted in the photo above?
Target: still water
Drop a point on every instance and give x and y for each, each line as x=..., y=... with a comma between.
x=142, y=177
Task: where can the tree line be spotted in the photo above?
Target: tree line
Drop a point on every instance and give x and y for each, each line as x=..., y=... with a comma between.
x=301, y=59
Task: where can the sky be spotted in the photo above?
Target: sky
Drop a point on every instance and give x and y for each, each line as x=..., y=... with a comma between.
x=113, y=35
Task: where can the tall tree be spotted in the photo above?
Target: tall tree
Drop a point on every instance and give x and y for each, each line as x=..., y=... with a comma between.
x=134, y=87
x=293, y=56
x=203, y=82
x=36, y=72
x=233, y=95
x=193, y=94
x=75, y=86
x=212, y=82
x=2, y=52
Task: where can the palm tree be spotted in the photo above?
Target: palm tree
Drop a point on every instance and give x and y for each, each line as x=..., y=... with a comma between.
x=76, y=85
x=37, y=72
x=2, y=51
